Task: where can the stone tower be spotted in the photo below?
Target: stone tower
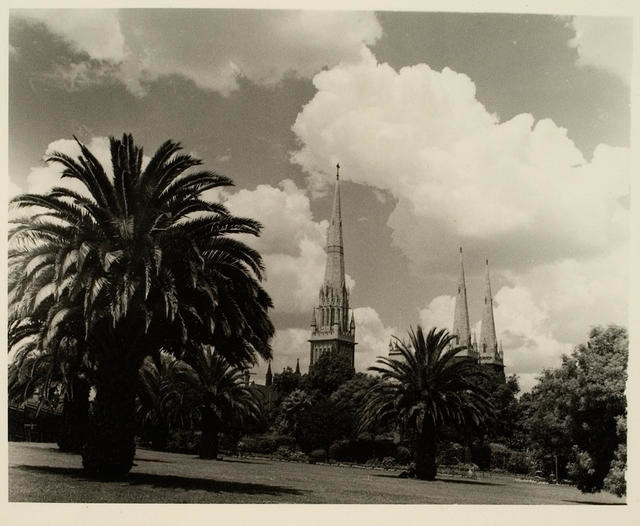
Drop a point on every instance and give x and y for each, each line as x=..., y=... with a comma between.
x=488, y=351
x=332, y=324
x=461, y=327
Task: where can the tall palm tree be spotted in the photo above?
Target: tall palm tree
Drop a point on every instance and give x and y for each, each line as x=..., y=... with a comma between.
x=218, y=392
x=151, y=264
x=427, y=386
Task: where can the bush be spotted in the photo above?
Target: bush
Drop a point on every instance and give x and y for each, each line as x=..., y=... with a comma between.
x=403, y=455
x=317, y=455
x=481, y=456
x=388, y=463
x=342, y=450
x=183, y=441
x=520, y=463
x=451, y=455
x=266, y=444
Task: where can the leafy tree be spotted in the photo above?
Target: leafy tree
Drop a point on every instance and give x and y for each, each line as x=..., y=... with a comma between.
x=149, y=264
x=427, y=387
x=286, y=382
x=347, y=401
x=574, y=411
x=329, y=372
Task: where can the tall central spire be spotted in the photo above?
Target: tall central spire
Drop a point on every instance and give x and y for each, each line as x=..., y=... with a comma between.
x=461, y=314
x=488, y=341
x=334, y=270
x=331, y=327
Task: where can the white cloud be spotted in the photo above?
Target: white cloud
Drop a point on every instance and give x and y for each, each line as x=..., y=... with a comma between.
x=604, y=43
x=93, y=31
x=13, y=189
x=292, y=243
x=372, y=337
x=438, y=313
x=42, y=179
x=459, y=175
x=210, y=47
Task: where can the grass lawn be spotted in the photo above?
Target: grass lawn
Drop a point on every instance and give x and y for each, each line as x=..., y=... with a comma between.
x=40, y=473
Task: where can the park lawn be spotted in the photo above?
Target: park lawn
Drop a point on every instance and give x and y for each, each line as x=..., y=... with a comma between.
x=41, y=473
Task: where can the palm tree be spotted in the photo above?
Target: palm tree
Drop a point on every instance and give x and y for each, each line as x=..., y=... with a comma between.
x=150, y=264
x=160, y=397
x=428, y=386
x=46, y=363
x=217, y=391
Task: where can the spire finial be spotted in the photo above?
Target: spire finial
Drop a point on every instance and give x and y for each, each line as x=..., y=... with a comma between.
x=460, y=249
x=338, y=171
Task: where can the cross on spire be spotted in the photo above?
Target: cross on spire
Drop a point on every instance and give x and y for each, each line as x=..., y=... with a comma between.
x=338, y=171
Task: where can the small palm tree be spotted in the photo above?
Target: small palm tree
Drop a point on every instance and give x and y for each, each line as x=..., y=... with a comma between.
x=428, y=386
x=217, y=391
x=161, y=397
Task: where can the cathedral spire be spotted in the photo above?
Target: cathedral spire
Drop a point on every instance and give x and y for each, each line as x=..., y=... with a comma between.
x=332, y=324
x=334, y=270
x=269, y=376
x=297, y=366
x=488, y=341
x=461, y=314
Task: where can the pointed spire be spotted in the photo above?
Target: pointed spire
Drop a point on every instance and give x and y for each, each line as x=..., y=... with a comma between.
x=269, y=376
x=461, y=314
x=313, y=317
x=298, y=366
x=488, y=341
x=334, y=270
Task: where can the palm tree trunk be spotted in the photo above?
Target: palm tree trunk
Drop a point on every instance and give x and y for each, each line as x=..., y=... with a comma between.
x=110, y=446
x=426, y=454
x=209, y=441
x=75, y=417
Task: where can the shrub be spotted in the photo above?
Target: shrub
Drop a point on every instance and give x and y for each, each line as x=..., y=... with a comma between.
x=520, y=463
x=403, y=455
x=341, y=450
x=388, y=463
x=615, y=480
x=451, y=455
x=183, y=441
x=317, y=455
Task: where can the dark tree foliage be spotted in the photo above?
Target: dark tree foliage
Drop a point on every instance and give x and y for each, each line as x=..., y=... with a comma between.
x=574, y=411
x=329, y=372
x=286, y=382
x=347, y=401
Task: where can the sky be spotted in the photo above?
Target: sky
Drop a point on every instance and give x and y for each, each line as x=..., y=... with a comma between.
x=506, y=134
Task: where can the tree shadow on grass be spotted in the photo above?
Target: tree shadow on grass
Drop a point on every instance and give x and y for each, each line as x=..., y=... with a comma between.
x=173, y=481
x=447, y=481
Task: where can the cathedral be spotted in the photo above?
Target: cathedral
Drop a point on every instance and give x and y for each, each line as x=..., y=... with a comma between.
x=486, y=351
x=332, y=325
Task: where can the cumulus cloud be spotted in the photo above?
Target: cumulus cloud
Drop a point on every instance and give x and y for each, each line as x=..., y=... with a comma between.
x=372, y=336
x=42, y=179
x=292, y=243
x=518, y=191
x=438, y=313
x=211, y=47
x=458, y=174
x=96, y=32
x=605, y=43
